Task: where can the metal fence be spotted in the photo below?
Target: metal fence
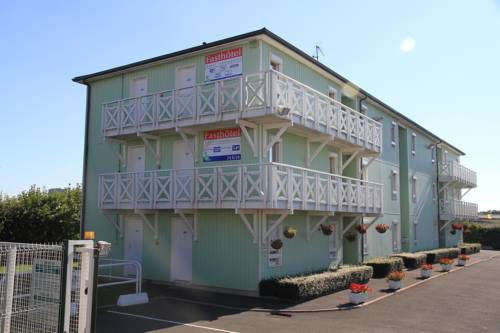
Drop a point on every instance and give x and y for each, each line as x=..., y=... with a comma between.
x=46, y=288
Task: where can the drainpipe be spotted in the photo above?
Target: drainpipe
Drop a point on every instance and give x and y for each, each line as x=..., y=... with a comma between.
x=85, y=155
x=360, y=104
x=437, y=189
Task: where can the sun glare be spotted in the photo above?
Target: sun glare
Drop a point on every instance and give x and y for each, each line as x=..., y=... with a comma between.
x=408, y=44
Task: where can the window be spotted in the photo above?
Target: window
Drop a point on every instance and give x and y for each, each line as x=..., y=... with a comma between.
x=413, y=144
x=393, y=133
x=396, y=236
x=433, y=154
x=332, y=93
x=334, y=163
x=275, y=154
x=445, y=156
x=332, y=245
x=415, y=238
x=276, y=63
x=274, y=256
x=434, y=191
x=414, y=188
x=394, y=184
x=364, y=109
x=365, y=244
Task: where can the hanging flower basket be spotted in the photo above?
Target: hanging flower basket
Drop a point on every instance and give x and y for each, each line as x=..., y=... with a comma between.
x=351, y=237
x=456, y=226
x=453, y=231
x=382, y=228
x=327, y=229
x=362, y=228
x=290, y=232
x=277, y=244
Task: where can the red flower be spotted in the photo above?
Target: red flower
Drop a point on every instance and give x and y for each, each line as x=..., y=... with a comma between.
x=426, y=267
x=446, y=261
x=359, y=288
x=463, y=257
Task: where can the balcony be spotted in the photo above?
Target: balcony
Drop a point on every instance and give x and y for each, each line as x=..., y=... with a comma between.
x=253, y=186
x=252, y=97
x=457, y=210
x=452, y=171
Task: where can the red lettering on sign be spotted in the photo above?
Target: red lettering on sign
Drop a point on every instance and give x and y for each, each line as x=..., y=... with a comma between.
x=222, y=133
x=223, y=55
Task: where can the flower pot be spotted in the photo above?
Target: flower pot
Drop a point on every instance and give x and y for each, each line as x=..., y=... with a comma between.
x=425, y=273
x=356, y=298
x=394, y=285
x=277, y=244
x=290, y=232
x=446, y=268
x=461, y=262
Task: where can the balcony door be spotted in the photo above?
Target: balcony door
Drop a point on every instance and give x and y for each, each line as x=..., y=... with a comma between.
x=185, y=77
x=136, y=156
x=182, y=156
x=181, y=263
x=132, y=247
x=139, y=87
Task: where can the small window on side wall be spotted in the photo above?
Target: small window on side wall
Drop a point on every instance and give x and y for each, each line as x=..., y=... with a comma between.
x=434, y=191
x=332, y=93
x=394, y=184
x=433, y=154
x=414, y=188
x=395, y=236
x=333, y=244
x=393, y=133
x=413, y=144
x=334, y=163
x=276, y=63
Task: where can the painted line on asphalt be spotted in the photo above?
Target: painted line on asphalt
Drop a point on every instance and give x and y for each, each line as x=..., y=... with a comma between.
x=170, y=321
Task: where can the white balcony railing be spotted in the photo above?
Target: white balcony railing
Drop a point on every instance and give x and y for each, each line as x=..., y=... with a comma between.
x=253, y=95
x=457, y=209
x=454, y=171
x=258, y=186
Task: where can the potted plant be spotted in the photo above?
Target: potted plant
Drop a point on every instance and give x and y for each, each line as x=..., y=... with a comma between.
x=382, y=227
x=456, y=226
x=394, y=279
x=462, y=260
x=425, y=271
x=446, y=264
x=290, y=232
x=327, y=229
x=359, y=293
x=351, y=236
x=362, y=228
x=277, y=244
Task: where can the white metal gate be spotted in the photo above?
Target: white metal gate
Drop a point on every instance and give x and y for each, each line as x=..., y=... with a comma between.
x=47, y=288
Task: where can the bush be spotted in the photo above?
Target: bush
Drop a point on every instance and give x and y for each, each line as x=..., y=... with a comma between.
x=434, y=255
x=312, y=285
x=412, y=260
x=383, y=266
x=469, y=248
x=486, y=235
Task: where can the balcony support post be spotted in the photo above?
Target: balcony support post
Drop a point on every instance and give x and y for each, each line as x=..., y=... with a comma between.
x=154, y=150
x=183, y=133
x=267, y=232
x=252, y=228
x=153, y=225
x=251, y=141
x=323, y=142
x=118, y=225
x=322, y=220
x=120, y=151
x=193, y=227
x=349, y=160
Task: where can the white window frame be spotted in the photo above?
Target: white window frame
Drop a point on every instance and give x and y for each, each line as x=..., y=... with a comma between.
x=274, y=257
x=394, y=184
x=333, y=241
x=278, y=145
x=396, y=241
x=365, y=244
x=364, y=109
x=433, y=154
x=434, y=191
x=274, y=58
x=334, y=91
x=334, y=157
x=394, y=126
x=415, y=232
x=413, y=144
x=414, y=188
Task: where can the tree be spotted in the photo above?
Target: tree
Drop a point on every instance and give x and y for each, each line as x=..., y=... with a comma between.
x=39, y=216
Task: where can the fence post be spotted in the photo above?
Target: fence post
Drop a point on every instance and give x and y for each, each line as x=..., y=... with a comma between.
x=62, y=294
x=9, y=290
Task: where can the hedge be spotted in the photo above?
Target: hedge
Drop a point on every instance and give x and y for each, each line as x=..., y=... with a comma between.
x=469, y=248
x=486, y=235
x=412, y=260
x=302, y=287
x=434, y=255
x=383, y=266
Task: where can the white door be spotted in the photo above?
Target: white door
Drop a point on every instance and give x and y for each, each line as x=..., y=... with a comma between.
x=132, y=242
x=183, y=156
x=185, y=77
x=138, y=87
x=181, y=268
x=135, y=158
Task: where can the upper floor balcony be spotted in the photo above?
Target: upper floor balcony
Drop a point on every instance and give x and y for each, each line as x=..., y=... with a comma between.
x=250, y=186
x=452, y=171
x=457, y=210
x=258, y=97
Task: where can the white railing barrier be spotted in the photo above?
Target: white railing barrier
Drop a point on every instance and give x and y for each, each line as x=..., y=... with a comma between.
x=247, y=96
x=267, y=185
x=455, y=171
x=457, y=209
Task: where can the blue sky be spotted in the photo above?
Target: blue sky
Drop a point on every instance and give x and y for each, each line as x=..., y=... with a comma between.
x=448, y=83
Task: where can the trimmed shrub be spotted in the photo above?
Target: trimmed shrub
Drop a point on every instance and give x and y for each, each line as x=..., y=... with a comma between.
x=434, y=255
x=412, y=260
x=469, y=248
x=383, y=266
x=302, y=287
x=486, y=235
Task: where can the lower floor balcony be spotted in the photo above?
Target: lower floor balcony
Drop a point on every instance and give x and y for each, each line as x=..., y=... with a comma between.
x=243, y=186
x=457, y=210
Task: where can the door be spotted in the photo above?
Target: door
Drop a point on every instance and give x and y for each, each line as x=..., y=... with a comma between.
x=183, y=156
x=181, y=252
x=138, y=87
x=185, y=77
x=132, y=242
x=135, y=158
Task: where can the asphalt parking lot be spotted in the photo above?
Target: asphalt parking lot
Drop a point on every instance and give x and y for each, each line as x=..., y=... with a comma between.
x=467, y=300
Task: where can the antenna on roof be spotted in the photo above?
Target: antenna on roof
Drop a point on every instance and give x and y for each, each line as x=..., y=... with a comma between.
x=317, y=52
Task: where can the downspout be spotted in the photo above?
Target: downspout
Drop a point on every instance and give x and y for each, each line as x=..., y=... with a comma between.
x=85, y=155
x=437, y=189
x=360, y=104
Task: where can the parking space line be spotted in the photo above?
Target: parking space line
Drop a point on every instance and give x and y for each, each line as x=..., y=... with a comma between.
x=170, y=321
